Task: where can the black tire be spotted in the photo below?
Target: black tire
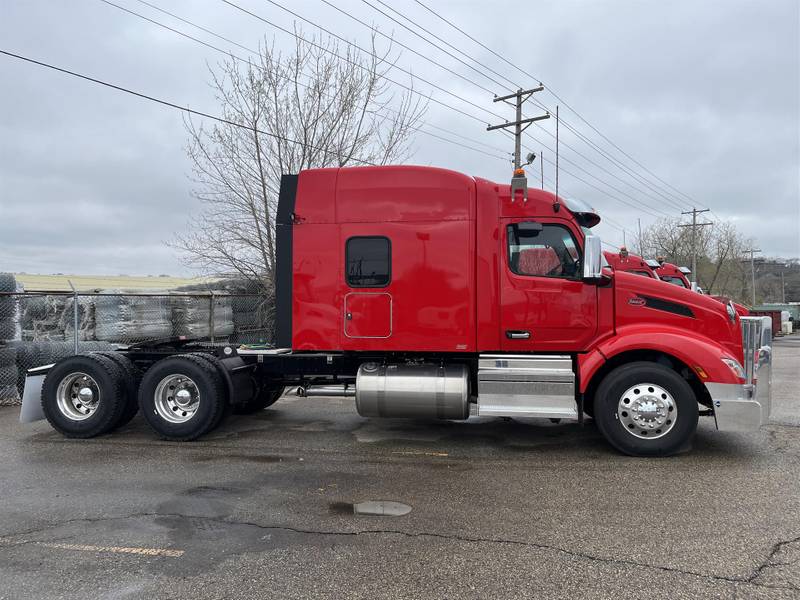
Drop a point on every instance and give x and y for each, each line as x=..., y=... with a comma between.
x=211, y=393
x=214, y=362
x=608, y=404
x=265, y=397
x=132, y=377
x=110, y=404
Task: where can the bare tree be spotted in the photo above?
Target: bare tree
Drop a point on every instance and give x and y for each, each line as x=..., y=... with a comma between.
x=324, y=104
x=665, y=238
x=720, y=254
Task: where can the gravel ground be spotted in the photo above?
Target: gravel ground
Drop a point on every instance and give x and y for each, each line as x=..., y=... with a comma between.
x=499, y=508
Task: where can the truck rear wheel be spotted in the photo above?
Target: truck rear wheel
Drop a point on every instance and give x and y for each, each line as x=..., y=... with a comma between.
x=182, y=397
x=646, y=409
x=83, y=396
x=214, y=363
x=132, y=377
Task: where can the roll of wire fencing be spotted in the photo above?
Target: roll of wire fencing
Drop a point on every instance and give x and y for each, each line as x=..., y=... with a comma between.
x=37, y=329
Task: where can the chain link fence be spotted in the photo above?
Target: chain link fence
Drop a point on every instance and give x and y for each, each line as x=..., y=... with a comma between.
x=40, y=328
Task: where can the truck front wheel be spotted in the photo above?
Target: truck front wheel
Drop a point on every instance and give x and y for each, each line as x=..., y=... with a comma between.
x=182, y=397
x=646, y=409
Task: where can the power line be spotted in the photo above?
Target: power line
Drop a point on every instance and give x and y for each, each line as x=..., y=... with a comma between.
x=401, y=44
x=163, y=102
x=555, y=95
x=335, y=54
x=428, y=41
x=255, y=52
x=589, y=142
x=602, y=191
x=360, y=49
x=321, y=28
x=170, y=104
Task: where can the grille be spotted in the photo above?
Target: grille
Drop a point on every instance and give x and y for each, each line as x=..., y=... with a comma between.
x=751, y=341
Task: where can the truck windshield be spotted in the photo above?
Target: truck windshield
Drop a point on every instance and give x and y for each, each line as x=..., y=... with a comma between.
x=673, y=280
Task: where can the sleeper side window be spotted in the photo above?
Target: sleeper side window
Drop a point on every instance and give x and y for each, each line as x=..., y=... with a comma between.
x=368, y=261
x=542, y=250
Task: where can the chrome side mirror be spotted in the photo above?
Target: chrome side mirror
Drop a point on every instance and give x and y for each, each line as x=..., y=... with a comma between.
x=592, y=258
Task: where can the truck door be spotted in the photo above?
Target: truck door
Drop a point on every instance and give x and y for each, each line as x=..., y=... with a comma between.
x=544, y=304
x=367, y=300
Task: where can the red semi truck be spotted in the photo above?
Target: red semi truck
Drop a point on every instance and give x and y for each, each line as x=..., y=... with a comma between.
x=426, y=293
x=677, y=275
x=631, y=263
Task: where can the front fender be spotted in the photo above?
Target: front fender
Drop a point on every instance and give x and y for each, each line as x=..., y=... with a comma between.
x=688, y=347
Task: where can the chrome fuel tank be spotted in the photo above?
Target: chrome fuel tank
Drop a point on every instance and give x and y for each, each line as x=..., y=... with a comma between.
x=428, y=391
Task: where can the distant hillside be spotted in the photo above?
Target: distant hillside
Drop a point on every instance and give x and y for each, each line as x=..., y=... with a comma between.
x=85, y=283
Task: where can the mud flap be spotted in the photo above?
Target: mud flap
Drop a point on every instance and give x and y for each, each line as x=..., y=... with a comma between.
x=32, y=396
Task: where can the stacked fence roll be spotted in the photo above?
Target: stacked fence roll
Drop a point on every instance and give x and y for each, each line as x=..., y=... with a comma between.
x=38, y=328
x=132, y=317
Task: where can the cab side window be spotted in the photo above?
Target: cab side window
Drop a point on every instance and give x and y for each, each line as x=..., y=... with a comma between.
x=542, y=250
x=368, y=261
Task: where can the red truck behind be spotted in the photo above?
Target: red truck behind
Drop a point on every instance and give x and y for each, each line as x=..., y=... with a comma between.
x=631, y=263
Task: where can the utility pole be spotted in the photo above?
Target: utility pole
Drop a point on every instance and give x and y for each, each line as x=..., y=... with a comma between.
x=518, y=179
x=694, y=225
x=752, y=252
x=624, y=243
x=783, y=290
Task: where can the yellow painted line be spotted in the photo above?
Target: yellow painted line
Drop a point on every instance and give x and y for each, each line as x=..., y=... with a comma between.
x=410, y=452
x=114, y=549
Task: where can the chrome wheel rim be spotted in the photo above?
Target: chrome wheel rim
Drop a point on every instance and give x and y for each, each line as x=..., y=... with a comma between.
x=647, y=411
x=78, y=396
x=177, y=398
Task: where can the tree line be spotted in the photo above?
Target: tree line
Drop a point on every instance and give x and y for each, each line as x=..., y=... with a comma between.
x=723, y=261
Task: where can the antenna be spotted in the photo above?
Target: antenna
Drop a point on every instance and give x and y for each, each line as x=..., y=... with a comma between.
x=557, y=203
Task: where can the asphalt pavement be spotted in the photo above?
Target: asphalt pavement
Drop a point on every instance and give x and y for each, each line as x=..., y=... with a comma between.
x=525, y=508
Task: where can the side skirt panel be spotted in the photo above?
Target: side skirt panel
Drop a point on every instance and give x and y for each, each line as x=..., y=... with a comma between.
x=526, y=386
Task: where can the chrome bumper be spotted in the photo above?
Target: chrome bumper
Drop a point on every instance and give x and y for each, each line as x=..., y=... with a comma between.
x=746, y=407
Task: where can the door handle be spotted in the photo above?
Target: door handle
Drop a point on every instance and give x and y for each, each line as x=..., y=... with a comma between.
x=513, y=334
x=349, y=316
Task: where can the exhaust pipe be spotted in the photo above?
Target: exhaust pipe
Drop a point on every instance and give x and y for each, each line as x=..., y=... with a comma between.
x=331, y=391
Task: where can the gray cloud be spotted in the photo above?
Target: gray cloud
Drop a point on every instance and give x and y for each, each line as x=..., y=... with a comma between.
x=705, y=94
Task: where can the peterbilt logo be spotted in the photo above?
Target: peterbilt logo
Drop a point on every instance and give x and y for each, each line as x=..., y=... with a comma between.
x=636, y=301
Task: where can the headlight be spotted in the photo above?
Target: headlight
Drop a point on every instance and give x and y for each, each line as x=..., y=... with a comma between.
x=734, y=366
x=731, y=312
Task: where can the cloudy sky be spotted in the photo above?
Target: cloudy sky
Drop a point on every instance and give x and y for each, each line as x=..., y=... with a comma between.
x=705, y=95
